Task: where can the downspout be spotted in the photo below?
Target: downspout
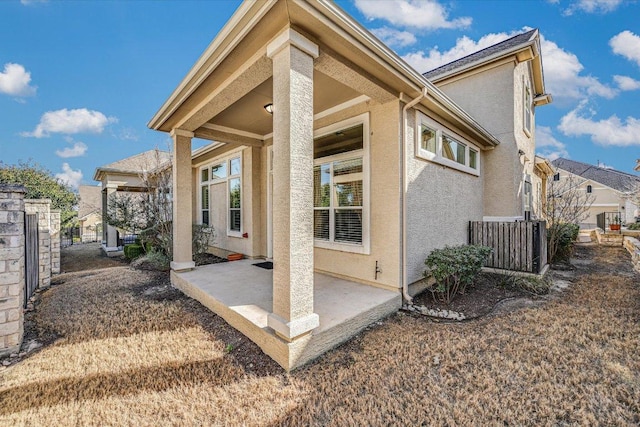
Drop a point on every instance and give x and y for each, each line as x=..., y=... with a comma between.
x=403, y=182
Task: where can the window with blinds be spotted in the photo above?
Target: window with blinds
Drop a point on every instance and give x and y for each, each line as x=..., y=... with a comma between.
x=339, y=186
x=227, y=171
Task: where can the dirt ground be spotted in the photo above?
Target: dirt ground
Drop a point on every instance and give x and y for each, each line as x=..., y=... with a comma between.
x=86, y=256
x=130, y=350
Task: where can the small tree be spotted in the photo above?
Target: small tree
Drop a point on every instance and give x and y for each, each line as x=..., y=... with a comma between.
x=149, y=211
x=566, y=206
x=40, y=183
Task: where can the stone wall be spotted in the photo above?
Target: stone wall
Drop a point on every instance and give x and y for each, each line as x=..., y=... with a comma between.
x=11, y=267
x=41, y=207
x=609, y=239
x=633, y=246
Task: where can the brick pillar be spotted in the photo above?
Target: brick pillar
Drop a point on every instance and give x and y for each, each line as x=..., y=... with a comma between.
x=41, y=207
x=11, y=267
x=55, y=241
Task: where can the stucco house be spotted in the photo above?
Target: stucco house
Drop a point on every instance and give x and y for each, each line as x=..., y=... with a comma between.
x=340, y=163
x=128, y=175
x=500, y=86
x=613, y=190
x=90, y=212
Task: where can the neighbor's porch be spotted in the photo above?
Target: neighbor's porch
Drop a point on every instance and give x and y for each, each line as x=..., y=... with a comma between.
x=242, y=294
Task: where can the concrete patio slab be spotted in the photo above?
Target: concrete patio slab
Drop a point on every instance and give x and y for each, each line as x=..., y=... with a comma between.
x=241, y=293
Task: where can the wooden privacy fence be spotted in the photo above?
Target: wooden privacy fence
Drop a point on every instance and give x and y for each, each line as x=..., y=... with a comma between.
x=517, y=246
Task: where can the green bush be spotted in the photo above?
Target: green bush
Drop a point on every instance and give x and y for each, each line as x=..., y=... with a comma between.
x=133, y=251
x=634, y=226
x=153, y=260
x=562, y=237
x=454, y=268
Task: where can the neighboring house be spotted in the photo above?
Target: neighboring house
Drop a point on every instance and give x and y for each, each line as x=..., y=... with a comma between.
x=613, y=191
x=128, y=175
x=333, y=156
x=90, y=212
x=501, y=86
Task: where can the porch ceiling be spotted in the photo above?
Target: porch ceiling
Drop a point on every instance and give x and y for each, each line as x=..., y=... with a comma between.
x=248, y=113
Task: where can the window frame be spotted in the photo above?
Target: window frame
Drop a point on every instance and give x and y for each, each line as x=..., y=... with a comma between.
x=365, y=246
x=226, y=159
x=438, y=157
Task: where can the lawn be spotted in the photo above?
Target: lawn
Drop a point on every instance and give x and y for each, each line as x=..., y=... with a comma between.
x=124, y=348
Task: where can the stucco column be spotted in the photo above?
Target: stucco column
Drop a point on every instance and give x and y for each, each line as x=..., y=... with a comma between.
x=111, y=240
x=181, y=174
x=292, y=56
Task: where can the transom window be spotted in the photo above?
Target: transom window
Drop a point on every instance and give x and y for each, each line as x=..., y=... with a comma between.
x=340, y=182
x=442, y=146
x=227, y=171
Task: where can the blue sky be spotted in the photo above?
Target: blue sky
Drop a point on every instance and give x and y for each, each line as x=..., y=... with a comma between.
x=80, y=80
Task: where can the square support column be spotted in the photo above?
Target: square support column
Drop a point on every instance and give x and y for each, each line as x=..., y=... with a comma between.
x=292, y=56
x=110, y=234
x=181, y=175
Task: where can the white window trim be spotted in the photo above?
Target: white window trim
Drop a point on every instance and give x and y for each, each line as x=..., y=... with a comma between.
x=437, y=157
x=527, y=108
x=233, y=233
x=365, y=246
x=226, y=157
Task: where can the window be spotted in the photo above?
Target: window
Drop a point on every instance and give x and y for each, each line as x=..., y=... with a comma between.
x=442, y=146
x=527, y=108
x=229, y=172
x=340, y=181
x=556, y=177
x=589, y=189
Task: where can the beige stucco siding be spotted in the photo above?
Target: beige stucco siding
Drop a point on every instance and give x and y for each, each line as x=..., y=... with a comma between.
x=440, y=203
x=504, y=168
x=384, y=201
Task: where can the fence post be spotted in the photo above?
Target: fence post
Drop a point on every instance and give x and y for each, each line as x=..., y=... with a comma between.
x=41, y=207
x=11, y=267
x=55, y=241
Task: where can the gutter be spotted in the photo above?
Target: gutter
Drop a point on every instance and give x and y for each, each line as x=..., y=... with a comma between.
x=403, y=182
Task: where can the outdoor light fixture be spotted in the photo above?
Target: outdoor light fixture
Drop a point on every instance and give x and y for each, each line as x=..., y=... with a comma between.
x=269, y=108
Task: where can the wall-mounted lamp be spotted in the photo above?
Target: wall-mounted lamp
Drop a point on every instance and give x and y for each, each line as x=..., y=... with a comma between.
x=520, y=153
x=269, y=108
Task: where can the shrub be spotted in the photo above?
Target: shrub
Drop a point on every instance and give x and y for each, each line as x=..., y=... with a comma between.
x=454, y=268
x=561, y=237
x=133, y=251
x=634, y=226
x=202, y=237
x=153, y=260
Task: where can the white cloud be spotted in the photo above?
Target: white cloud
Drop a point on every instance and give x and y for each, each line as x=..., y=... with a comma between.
x=626, y=44
x=626, y=83
x=70, y=122
x=78, y=149
x=593, y=6
x=30, y=2
x=14, y=81
x=548, y=146
x=69, y=176
x=423, y=62
x=395, y=38
x=611, y=131
x=564, y=78
x=425, y=14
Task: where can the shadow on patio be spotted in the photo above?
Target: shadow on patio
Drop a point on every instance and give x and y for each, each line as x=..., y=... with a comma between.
x=242, y=294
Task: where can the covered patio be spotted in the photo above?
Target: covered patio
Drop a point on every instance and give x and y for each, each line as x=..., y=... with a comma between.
x=242, y=294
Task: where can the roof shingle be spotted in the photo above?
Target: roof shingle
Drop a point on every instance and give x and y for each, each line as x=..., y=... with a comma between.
x=612, y=178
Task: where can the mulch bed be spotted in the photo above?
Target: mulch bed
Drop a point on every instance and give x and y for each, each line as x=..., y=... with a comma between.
x=479, y=299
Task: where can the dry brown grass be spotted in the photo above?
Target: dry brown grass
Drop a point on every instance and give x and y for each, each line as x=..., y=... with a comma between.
x=129, y=356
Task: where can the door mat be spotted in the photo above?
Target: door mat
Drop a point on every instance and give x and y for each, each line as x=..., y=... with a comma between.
x=267, y=265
